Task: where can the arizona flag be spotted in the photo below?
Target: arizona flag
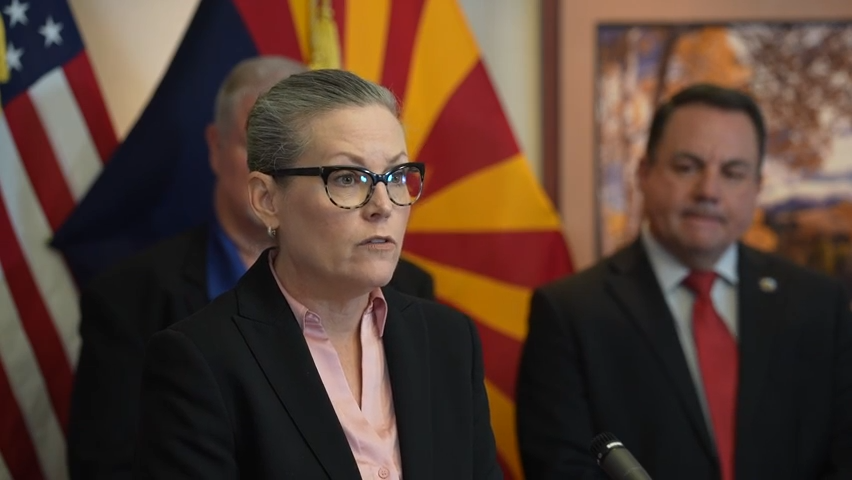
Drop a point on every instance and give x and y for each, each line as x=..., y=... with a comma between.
x=484, y=228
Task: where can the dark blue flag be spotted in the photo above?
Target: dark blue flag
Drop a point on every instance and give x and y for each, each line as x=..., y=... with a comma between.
x=159, y=182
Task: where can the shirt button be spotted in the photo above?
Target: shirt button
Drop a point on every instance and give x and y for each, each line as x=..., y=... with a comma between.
x=383, y=472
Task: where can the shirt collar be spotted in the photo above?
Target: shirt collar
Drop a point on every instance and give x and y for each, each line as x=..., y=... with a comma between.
x=376, y=305
x=671, y=272
x=224, y=265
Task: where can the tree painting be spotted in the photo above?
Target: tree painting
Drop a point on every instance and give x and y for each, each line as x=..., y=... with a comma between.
x=799, y=73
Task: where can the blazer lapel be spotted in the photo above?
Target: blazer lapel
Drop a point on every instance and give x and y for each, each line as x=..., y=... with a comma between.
x=270, y=329
x=761, y=316
x=407, y=356
x=634, y=285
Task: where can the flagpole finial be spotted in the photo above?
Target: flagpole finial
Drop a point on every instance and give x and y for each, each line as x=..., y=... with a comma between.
x=325, y=42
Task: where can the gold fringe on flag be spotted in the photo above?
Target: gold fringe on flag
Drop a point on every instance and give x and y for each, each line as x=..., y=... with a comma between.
x=325, y=42
x=4, y=66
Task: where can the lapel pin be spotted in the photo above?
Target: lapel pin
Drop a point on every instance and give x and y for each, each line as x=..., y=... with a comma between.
x=768, y=284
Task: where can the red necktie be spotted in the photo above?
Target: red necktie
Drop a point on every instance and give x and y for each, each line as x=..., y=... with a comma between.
x=718, y=358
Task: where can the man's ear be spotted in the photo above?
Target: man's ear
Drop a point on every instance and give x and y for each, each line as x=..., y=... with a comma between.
x=211, y=134
x=262, y=190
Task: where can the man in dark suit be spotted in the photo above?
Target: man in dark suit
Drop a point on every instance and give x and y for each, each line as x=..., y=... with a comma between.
x=706, y=358
x=123, y=307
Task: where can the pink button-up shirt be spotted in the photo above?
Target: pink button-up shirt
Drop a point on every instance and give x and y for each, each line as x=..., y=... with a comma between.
x=370, y=429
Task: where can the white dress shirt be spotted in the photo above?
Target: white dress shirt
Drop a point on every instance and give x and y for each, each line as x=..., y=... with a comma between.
x=670, y=273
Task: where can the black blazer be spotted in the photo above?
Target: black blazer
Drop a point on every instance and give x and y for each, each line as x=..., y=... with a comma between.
x=233, y=392
x=603, y=355
x=120, y=310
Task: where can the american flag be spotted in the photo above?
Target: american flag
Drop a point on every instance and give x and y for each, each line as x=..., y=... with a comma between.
x=55, y=135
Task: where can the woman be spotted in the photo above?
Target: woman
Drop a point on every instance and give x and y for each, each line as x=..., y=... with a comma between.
x=308, y=368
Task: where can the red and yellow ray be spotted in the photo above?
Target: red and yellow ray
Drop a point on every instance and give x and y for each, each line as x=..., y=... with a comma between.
x=484, y=228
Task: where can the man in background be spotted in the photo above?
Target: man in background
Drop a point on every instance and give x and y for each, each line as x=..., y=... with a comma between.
x=146, y=293
x=708, y=359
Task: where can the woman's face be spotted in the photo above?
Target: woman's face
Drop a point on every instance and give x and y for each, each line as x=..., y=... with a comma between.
x=353, y=249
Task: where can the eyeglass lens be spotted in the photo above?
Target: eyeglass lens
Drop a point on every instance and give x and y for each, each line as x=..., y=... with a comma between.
x=350, y=188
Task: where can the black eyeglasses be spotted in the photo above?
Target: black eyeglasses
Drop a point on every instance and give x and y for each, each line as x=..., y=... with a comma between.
x=352, y=187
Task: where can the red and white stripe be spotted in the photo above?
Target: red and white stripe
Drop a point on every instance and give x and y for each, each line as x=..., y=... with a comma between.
x=53, y=142
x=4, y=472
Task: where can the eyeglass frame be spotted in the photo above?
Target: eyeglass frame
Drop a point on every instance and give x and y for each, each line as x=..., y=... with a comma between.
x=325, y=171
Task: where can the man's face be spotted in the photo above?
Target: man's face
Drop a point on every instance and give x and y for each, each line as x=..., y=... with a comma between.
x=700, y=188
x=228, y=157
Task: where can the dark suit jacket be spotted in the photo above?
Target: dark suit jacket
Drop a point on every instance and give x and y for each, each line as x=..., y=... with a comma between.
x=120, y=311
x=603, y=355
x=233, y=392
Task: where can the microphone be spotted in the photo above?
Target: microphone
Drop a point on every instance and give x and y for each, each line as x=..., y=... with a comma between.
x=615, y=459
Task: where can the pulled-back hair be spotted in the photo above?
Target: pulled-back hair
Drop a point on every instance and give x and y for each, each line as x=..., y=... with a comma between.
x=277, y=134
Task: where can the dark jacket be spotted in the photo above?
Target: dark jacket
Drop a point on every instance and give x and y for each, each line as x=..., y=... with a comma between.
x=603, y=355
x=120, y=311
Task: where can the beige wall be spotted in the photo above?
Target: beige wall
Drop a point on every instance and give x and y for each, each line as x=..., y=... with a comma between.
x=130, y=45
x=577, y=49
